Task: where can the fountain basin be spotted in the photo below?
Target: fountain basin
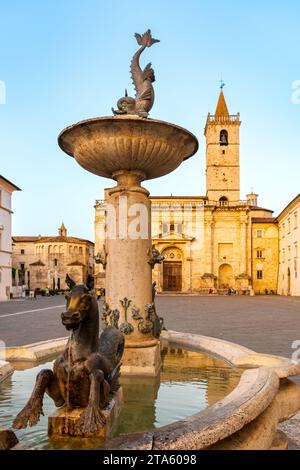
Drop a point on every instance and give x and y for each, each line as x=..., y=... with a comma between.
x=243, y=408
x=149, y=402
x=106, y=145
x=246, y=419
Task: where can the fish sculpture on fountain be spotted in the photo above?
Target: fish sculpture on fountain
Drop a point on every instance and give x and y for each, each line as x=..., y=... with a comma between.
x=142, y=80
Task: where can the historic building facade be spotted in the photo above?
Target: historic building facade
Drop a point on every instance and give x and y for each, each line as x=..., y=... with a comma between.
x=6, y=190
x=214, y=242
x=289, y=243
x=43, y=262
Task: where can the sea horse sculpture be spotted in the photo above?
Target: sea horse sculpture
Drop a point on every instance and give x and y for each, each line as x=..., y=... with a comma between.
x=86, y=373
x=142, y=80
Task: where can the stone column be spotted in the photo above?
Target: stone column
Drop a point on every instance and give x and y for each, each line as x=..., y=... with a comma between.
x=207, y=245
x=243, y=250
x=128, y=273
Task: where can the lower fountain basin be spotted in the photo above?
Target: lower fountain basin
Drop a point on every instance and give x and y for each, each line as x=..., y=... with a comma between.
x=212, y=394
x=106, y=145
x=189, y=382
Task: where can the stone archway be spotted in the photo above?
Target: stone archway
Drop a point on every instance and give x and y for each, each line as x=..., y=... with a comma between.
x=225, y=276
x=172, y=269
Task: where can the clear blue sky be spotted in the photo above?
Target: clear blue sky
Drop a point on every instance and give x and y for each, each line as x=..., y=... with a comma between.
x=67, y=60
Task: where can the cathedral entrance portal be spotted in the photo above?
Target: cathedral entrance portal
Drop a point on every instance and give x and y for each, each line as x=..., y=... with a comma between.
x=172, y=269
x=172, y=276
x=225, y=276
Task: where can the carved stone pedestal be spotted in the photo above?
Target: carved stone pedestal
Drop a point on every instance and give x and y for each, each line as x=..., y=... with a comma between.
x=141, y=358
x=63, y=422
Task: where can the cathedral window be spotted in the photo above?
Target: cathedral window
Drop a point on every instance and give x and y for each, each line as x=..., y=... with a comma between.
x=22, y=252
x=259, y=274
x=223, y=137
x=259, y=254
x=259, y=233
x=295, y=219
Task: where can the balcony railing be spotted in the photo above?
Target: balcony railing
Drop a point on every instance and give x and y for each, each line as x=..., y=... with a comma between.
x=223, y=119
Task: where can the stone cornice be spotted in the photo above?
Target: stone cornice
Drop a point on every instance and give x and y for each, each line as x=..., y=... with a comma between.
x=6, y=209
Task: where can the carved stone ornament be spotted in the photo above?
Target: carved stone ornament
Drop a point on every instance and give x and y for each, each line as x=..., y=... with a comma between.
x=126, y=327
x=110, y=317
x=106, y=313
x=101, y=257
x=152, y=323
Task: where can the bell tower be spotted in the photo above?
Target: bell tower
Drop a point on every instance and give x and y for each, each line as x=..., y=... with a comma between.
x=222, y=154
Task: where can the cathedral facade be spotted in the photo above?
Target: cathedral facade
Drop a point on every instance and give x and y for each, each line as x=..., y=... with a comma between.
x=215, y=242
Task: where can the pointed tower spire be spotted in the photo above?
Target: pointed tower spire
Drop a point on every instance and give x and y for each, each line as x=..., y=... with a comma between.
x=221, y=110
x=62, y=230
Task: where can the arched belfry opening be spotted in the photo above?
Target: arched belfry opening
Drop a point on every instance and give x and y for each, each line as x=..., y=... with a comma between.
x=223, y=201
x=223, y=137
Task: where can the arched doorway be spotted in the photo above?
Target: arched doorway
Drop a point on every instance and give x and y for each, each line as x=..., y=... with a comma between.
x=225, y=276
x=172, y=269
x=288, y=282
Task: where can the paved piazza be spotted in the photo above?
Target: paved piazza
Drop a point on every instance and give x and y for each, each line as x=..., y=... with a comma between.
x=267, y=324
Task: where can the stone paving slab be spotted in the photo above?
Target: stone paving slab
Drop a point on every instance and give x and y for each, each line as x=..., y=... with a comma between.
x=266, y=324
x=291, y=429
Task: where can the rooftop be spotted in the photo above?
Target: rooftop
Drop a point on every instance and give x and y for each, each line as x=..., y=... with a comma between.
x=290, y=205
x=15, y=188
x=47, y=239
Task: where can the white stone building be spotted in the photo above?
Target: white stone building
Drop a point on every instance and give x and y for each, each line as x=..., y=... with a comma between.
x=289, y=245
x=6, y=190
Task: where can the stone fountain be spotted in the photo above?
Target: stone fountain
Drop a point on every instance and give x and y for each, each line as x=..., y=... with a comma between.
x=130, y=148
